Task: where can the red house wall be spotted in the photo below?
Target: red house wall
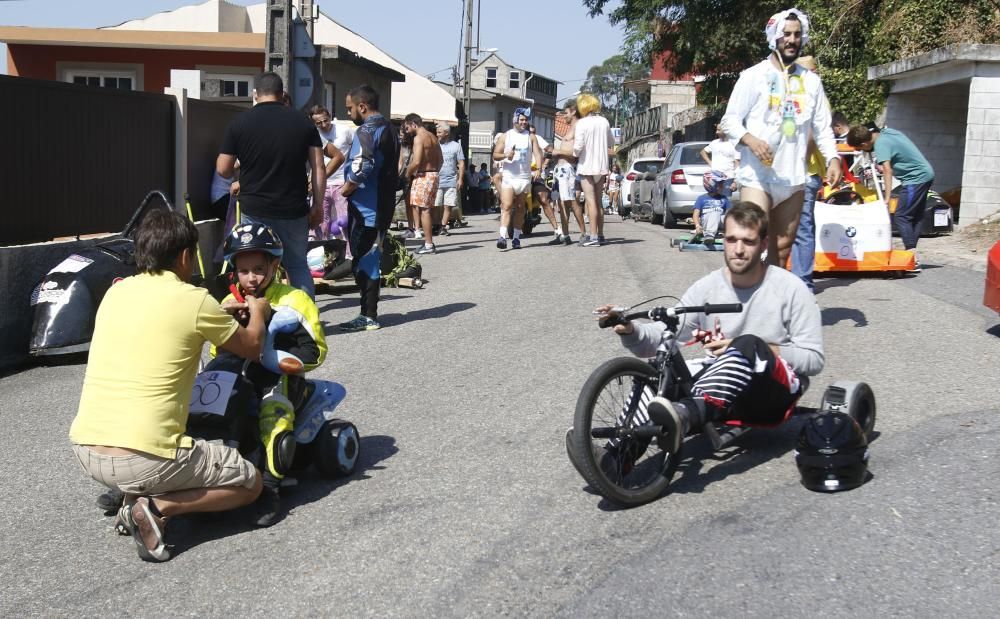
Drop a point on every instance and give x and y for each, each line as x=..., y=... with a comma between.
x=39, y=61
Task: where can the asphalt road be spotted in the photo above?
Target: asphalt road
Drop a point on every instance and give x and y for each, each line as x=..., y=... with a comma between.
x=467, y=506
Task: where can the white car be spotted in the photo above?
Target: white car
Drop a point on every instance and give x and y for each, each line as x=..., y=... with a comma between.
x=639, y=167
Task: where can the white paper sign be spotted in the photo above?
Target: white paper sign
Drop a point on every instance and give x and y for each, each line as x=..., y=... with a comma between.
x=210, y=393
x=73, y=264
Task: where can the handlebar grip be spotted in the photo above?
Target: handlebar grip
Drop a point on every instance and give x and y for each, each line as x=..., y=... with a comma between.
x=610, y=321
x=723, y=308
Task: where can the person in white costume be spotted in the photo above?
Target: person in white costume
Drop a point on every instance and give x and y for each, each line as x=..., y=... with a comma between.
x=514, y=150
x=774, y=105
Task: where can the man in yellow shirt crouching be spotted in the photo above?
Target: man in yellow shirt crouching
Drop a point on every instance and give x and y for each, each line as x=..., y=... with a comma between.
x=129, y=432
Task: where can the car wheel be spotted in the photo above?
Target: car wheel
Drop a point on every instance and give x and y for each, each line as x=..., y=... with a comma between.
x=669, y=221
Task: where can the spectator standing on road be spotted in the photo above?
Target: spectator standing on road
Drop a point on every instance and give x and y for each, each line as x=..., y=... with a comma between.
x=722, y=157
x=423, y=173
x=540, y=192
x=273, y=143
x=804, y=247
x=129, y=430
x=515, y=150
x=485, y=189
x=412, y=216
x=770, y=112
x=564, y=174
x=370, y=182
x=452, y=177
x=841, y=126
x=614, y=188
x=472, y=187
x=336, y=144
x=593, y=147
x=899, y=158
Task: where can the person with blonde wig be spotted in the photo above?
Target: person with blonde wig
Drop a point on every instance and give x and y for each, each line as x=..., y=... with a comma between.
x=593, y=147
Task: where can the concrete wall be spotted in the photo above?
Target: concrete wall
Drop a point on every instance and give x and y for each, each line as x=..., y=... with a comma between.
x=676, y=96
x=981, y=181
x=935, y=120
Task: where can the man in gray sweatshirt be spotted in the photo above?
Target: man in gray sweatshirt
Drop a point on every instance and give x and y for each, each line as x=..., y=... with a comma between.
x=761, y=352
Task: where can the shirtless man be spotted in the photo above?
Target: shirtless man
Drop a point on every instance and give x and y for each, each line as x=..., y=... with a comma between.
x=540, y=192
x=514, y=150
x=565, y=176
x=773, y=106
x=425, y=163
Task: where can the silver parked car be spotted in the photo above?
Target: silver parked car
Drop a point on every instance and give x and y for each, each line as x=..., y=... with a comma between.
x=680, y=182
x=635, y=172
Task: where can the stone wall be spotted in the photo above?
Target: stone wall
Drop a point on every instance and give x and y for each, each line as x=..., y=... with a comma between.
x=981, y=180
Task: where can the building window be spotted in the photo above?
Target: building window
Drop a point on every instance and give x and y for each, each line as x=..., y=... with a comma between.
x=491, y=77
x=515, y=79
x=233, y=85
x=118, y=80
x=500, y=126
x=235, y=88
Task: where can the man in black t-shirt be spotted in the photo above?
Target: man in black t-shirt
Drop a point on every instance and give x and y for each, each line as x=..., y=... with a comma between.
x=272, y=143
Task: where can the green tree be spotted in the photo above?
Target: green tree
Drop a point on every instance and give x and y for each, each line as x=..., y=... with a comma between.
x=605, y=81
x=718, y=39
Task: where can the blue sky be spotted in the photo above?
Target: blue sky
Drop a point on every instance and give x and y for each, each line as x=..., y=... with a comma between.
x=553, y=37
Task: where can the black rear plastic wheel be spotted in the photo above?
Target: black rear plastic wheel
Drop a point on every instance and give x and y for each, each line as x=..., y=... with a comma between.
x=627, y=470
x=854, y=398
x=337, y=448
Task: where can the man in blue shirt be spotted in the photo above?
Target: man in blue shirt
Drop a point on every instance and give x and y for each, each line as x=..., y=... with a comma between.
x=899, y=157
x=370, y=180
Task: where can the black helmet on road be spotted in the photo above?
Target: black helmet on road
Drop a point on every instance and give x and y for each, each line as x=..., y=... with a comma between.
x=832, y=452
x=252, y=237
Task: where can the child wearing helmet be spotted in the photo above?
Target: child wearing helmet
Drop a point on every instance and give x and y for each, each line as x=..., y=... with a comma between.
x=711, y=207
x=254, y=251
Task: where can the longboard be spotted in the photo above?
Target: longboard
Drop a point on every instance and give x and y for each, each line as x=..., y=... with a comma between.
x=684, y=243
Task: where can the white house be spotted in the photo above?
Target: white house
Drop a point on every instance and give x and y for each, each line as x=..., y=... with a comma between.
x=416, y=94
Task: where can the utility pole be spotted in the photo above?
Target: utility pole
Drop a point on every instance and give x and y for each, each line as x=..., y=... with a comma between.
x=278, y=39
x=289, y=50
x=467, y=80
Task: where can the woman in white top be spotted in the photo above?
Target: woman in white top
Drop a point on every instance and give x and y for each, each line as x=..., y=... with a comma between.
x=593, y=147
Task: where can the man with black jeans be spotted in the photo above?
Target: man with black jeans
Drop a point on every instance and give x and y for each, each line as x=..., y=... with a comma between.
x=273, y=143
x=760, y=353
x=371, y=178
x=898, y=155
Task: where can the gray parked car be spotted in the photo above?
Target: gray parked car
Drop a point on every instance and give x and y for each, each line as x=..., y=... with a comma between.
x=679, y=183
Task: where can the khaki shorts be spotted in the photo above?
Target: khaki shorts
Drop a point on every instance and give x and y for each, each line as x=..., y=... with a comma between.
x=204, y=465
x=446, y=197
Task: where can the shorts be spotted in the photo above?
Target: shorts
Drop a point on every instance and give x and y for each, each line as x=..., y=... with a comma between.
x=519, y=185
x=594, y=178
x=446, y=196
x=754, y=174
x=423, y=189
x=565, y=178
x=204, y=465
